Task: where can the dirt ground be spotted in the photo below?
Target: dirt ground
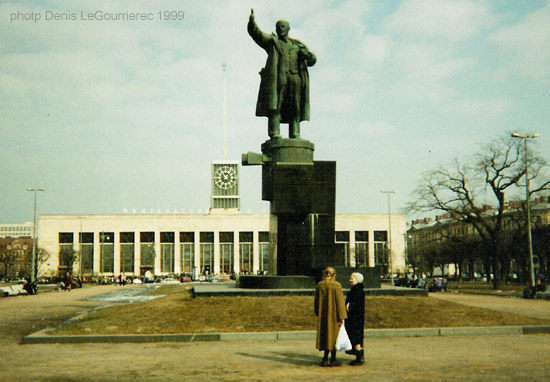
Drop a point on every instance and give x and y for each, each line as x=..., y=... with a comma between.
x=461, y=358
x=178, y=312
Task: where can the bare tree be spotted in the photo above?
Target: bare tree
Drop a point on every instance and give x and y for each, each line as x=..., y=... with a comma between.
x=7, y=258
x=474, y=193
x=42, y=256
x=417, y=259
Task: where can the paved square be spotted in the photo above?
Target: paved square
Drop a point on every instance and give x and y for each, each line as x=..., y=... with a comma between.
x=461, y=358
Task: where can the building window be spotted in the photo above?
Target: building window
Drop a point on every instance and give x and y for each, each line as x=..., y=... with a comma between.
x=66, y=251
x=380, y=250
x=206, y=252
x=87, y=252
x=342, y=246
x=361, y=248
x=106, y=254
x=263, y=238
x=226, y=252
x=246, y=251
x=65, y=238
x=187, y=250
x=167, y=252
x=127, y=240
x=381, y=236
x=147, y=251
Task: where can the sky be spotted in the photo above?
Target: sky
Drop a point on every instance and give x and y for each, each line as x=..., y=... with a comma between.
x=124, y=116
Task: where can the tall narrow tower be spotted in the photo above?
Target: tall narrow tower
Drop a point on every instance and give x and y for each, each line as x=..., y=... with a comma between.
x=225, y=175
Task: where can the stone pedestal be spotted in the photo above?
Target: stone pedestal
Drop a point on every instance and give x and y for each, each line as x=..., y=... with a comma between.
x=276, y=282
x=302, y=193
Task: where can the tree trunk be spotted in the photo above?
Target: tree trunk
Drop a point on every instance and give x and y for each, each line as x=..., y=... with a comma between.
x=488, y=269
x=7, y=268
x=498, y=283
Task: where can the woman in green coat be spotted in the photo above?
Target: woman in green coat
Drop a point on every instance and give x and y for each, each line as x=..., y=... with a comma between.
x=330, y=311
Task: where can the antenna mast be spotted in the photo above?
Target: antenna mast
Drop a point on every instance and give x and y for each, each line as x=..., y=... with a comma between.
x=224, y=116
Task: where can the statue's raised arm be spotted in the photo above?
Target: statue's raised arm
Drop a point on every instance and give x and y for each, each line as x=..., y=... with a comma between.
x=284, y=85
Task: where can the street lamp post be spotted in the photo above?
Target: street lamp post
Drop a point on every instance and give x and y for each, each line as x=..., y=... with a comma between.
x=389, y=232
x=34, y=239
x=527, y=197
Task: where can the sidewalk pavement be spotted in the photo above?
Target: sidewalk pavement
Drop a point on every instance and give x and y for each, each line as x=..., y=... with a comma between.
x=509, y=357
x=454, y=358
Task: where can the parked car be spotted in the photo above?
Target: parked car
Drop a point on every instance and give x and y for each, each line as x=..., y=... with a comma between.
x=13, y=290
x=170, y=280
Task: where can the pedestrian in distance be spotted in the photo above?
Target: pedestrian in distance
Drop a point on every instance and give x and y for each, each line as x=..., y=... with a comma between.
x=355, y=323
x=68, y=281
x=330, y=310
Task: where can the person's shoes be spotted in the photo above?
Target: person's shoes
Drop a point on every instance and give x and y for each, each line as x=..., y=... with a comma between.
x=325, y=363
x=351, y=352
x=334, y=363
x=359, y=358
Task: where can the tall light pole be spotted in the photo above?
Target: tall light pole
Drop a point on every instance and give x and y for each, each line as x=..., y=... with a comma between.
x=34, y=239
x=389, y=231
x=527, y=197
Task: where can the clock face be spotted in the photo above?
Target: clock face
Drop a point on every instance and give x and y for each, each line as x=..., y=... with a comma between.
x=225, y=177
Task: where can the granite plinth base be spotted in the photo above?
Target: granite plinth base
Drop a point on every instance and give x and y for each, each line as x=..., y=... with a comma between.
x=275, y=282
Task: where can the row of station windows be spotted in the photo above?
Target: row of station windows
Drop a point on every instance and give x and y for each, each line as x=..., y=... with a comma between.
x=128, y=243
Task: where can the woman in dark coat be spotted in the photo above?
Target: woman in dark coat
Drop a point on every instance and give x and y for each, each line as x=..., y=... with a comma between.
x=355, y=324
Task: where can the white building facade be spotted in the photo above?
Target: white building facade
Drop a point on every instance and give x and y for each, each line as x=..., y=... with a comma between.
x=216, y=243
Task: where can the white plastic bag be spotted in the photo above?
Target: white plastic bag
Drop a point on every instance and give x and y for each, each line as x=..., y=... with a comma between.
x=342, y=341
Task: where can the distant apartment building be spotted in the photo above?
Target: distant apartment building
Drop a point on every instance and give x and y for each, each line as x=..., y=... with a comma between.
x=426, y=233
x=16, y=230
x=15, y=257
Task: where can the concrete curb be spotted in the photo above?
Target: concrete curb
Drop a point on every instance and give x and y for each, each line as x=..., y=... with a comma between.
x=413, y=332
x=481, y=331
x=42, y=337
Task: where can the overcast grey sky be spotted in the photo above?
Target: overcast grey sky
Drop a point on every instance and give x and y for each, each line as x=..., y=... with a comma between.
x=114, y=115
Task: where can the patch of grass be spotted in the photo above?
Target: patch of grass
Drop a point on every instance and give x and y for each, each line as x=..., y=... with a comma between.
x=178, y=312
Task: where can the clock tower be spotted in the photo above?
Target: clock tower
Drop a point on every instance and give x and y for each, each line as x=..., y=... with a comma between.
x=225, y=197
x=225, y=187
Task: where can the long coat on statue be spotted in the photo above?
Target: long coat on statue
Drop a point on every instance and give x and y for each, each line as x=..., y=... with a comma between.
x=268, y=96
x=329, y=309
